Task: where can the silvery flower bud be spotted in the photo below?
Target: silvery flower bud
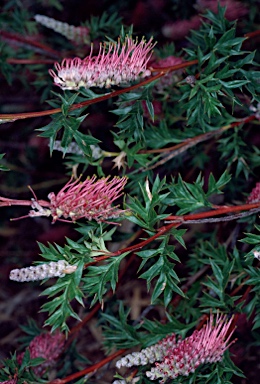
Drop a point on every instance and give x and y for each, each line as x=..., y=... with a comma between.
x=43, y=271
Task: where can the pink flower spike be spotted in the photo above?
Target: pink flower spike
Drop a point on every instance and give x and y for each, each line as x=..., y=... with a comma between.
x=89, y=199
x=254, y=196
x=115, y=64
x=205, y=346
x=48, y=346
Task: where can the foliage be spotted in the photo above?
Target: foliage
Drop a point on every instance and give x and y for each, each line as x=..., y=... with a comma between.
x=187, y=141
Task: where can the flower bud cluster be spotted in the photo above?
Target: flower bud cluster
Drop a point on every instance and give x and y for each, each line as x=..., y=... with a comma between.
x=254, y=196
x=75, y=149
x=43, y=271
x=48, y=346
x=115, y=64
x=78, y=35
x=148, y=355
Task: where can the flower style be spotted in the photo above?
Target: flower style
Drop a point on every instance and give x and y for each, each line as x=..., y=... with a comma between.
x=205, y=346
x=254, y=196
x=42, y=271
x=90, y=199
x=78, y=35
x=115, y=64
x=48, y=346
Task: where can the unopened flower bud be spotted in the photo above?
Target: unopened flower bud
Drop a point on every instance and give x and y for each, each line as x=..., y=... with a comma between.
x=43, y=271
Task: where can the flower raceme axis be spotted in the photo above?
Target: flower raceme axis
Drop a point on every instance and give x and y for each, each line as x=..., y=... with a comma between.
x=116, y=64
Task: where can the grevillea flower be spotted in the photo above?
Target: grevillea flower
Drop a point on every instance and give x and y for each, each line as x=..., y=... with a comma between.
x=115, y=64
x=254, y=196
x=89, y=199
x=12, y=381
x=42, y=271
x=181, y=357
x=48, y=346
x=79, y=35
x=205, y=346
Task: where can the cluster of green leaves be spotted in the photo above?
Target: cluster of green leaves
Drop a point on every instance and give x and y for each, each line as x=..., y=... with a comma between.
x=23, y=372
x=190, y=197
x=104, y=25
x=68, y=122
x=130, y=112
x=218, y=52
x=253, y=307
x=77, y=285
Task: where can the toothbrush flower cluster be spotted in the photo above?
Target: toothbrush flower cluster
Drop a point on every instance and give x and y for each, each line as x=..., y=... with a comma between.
x=116, y=64
x=91, y=199
x=181, y=357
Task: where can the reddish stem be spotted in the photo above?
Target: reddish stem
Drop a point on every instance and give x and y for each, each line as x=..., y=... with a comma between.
x=89, y=369
x=24, y=40
x=201, y=137
x=30, y=61
x=27, y=115
x=218, y=211
x=5, y=202
x=178, y=220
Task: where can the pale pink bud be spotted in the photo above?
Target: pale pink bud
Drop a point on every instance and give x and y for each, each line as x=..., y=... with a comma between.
x=115, y=64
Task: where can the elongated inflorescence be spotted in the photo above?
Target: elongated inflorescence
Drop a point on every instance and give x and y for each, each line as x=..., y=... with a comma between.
x=79, y=35
x=148, y=355
x=90, y=199
x=205, y=346
x=115, y=64
x=42, y=271
x=181, y=357
x=75, y=149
